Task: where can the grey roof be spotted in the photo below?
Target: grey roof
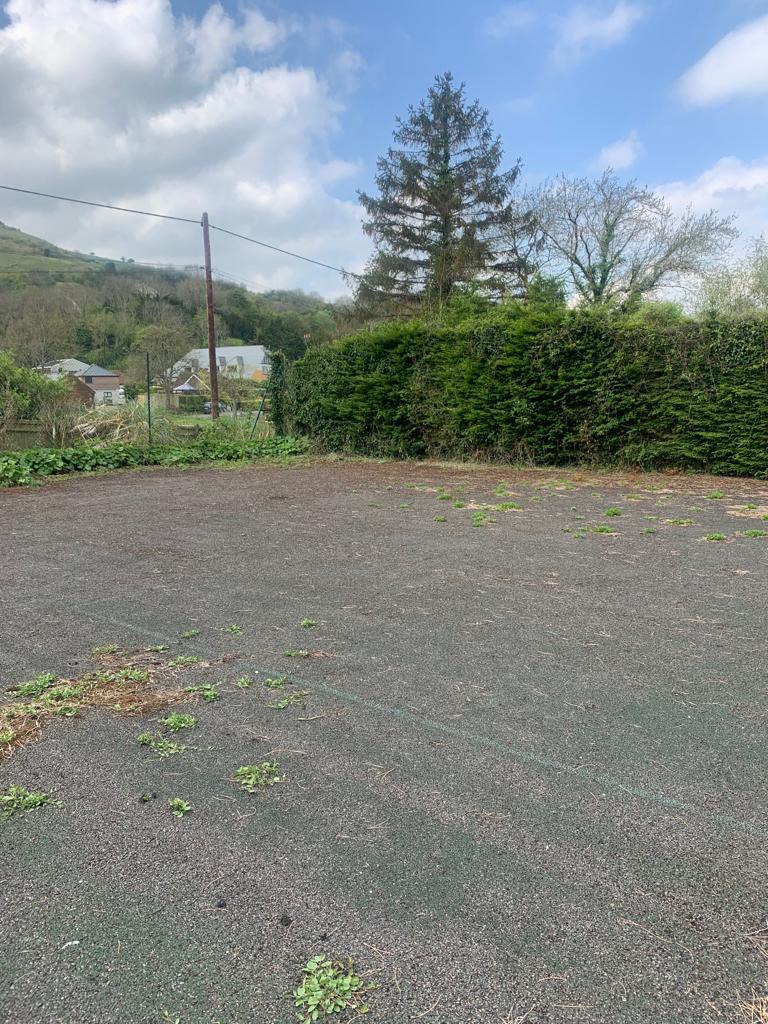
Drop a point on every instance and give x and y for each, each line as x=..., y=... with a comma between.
x=97, y=371
x=254, y=357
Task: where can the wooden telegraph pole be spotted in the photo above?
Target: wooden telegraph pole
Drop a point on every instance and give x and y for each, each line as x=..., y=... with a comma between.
x=213, y=370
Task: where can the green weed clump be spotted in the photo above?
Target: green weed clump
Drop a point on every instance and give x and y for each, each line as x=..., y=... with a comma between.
x=179, y=808
x=330, y=987
x=17, y=799
x=258, y=776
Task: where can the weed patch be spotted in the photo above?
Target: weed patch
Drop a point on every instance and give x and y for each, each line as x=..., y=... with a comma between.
x=257, y=776
x=160, y=744
x=715, y=537
x=299, y=698
x=179, y=807
x=208, y=692
x=330, y=987
x=176, y=721
x=121, y=688
x=17, y=799
x=184, y=660
x=275, y=682
x=34, y=687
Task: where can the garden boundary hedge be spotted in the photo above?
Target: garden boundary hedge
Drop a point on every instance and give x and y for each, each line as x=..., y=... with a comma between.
x=653, y=389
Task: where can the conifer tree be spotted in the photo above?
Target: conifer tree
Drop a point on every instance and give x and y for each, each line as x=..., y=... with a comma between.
x=443, y=212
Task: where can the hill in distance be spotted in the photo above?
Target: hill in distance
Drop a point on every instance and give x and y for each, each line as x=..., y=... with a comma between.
x=27, y=260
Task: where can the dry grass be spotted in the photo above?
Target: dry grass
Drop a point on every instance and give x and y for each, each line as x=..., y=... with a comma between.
x=755, y=1010
x=126, y=683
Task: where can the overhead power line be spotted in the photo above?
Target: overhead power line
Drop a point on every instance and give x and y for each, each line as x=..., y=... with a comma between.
x=103, y=206
x=285, y=252
x=183, y=220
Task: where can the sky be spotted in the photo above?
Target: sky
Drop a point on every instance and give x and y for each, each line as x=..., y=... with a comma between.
x=271, y=116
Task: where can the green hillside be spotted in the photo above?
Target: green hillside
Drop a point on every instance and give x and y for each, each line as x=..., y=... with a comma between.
x=25, y=259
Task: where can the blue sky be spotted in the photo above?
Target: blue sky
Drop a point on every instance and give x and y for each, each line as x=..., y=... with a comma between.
x=271, y=115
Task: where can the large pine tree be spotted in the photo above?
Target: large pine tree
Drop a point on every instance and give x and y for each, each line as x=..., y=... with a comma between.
x=443, y=208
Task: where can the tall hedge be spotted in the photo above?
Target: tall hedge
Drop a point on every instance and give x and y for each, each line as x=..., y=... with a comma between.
x=653, y=389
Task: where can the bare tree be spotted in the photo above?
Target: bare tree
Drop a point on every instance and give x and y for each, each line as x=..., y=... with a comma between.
x=165, y=344
x=740, y=288
x=615, y=242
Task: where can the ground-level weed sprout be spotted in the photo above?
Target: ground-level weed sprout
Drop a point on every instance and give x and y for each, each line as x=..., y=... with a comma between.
x=179, y=807
x=258, y=776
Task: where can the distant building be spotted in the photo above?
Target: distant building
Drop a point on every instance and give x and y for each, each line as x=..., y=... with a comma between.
x=249, y=361
x=98, y=386
x=91, y=384
x=58, y=369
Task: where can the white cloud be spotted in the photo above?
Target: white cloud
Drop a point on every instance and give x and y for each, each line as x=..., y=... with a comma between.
x=621, y=154
x=736, y=66
x=120, y=101
x=508, y=20
x=731, y=186
x=586, y=30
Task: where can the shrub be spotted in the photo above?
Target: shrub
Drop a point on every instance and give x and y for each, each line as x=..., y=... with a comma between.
x=19, y=468
x=554, y=385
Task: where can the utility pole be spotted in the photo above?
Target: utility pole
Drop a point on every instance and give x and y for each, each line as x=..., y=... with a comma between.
x=213, y=371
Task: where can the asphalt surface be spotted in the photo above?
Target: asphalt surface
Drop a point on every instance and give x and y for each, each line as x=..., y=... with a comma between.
x=529, y=783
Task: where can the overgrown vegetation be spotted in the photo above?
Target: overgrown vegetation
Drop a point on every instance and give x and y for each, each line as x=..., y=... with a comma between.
x=544, y=383
x=20, y=468
x=122, y=685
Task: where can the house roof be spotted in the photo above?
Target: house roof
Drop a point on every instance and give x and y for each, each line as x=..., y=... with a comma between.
x=69, y=365
x=254, y=357
x=97, y=371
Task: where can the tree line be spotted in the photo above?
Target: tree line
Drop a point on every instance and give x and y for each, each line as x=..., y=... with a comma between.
x=448, y=217
x=113, y=319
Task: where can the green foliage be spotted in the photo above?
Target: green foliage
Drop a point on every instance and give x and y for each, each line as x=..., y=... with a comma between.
x=179, y=807
x=34, y=687
x=19, y=468
x=208, y=692
x=257, y=776
x=329, y=987
x=299, y=698
x=17, y=798
x=175, y=721
x=548, y=384
x=161, y=745
x=23, y=391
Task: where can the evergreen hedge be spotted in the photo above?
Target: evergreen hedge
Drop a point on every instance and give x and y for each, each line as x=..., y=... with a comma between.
x=653, y=389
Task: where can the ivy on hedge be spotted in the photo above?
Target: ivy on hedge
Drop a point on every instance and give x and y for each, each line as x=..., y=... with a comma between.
x=653, y=389
x=20, y=468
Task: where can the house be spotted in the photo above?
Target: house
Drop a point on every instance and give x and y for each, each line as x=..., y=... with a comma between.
x=55, y=370
x=91, y=384
x=99, y=386
x=248, y=361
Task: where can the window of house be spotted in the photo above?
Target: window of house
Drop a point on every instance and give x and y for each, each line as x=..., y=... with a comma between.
x=89, y=380
x=107, y=398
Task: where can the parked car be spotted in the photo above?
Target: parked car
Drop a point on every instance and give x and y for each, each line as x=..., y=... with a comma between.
x=207, y=408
